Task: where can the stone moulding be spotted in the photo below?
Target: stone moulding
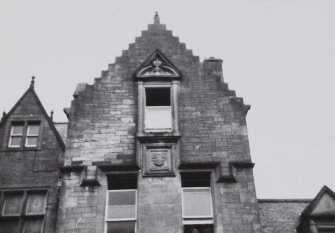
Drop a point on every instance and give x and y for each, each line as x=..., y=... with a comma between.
x=157, y=67
x=106, y=166
x=72, y=168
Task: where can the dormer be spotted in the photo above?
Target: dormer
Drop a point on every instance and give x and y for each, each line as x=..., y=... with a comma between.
x=319, y=215
x=157, y=79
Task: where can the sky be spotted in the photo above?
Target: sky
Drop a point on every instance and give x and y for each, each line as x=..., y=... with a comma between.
x=278, y=55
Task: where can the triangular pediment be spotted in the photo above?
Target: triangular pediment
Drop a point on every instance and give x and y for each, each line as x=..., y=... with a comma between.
x=157, y=66
x=322, y=205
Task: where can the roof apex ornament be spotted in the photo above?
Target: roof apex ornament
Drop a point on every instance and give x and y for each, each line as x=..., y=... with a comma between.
x=156, y=18
x=52, y=115
x=32, y=82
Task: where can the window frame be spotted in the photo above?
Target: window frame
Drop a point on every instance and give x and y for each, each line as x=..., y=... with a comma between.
x=142, y=108
x=23, y=144
x=198, y=220
x=151, y=86
x=127, y=185
x=200, y=216
x=11, y=135
x=32, y=123
x=121, y=219
x=22, y=217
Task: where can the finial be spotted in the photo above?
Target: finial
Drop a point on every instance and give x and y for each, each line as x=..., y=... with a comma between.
x=32, y=83
x=52, y=115
x=3, y=115
x=156, y=18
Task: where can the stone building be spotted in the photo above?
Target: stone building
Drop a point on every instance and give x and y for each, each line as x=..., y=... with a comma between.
x=158, y=144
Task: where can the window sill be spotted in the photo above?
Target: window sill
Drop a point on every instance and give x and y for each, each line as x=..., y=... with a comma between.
x=20, y=149
x=167, y=137
x=163, y=130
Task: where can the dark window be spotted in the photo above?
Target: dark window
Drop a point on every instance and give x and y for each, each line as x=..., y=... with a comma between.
x=22, y=211
x=122, y=181
x=195, y=179
x=198, y=228
x=158, y=96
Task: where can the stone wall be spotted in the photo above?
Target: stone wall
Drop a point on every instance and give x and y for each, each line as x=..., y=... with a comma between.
x=102, y=128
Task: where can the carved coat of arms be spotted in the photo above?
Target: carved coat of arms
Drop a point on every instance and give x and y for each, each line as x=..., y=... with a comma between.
x=158, y=158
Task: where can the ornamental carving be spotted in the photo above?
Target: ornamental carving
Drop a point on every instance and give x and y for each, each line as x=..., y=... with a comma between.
x=157, y=69
x=157, y=66
x=158, y=160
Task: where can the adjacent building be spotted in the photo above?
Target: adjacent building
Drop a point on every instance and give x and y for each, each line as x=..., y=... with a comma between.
x=158, y=144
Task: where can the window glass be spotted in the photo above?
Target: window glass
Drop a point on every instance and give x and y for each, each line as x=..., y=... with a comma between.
x=9, y=225
x=15, y=141
x=198, y=229
x=12, y=204
x=195, y=179
x=197, y=202
x=35, y=203
x=29, y=134
x=31, y=141
x=158, y=96
x=121, y=227
x=17, y=130
x=158, y=117
x=32, y=226
x=122, y=204
x=33, y=129
x=124, y=181
x=16, y=134
x=158, y=108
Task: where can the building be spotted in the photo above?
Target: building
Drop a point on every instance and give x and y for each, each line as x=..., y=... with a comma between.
x=158, y=143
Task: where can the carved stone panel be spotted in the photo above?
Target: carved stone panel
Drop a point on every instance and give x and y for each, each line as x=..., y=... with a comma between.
x=158, y=160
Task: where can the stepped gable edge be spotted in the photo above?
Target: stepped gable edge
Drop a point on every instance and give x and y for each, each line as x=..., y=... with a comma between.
x=157, y=37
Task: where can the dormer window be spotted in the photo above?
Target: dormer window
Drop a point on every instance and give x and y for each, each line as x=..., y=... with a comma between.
x=158, y=81
x=24, y=134
x=158, y=115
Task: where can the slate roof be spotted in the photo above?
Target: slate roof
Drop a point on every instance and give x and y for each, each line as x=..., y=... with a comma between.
x=281, y=215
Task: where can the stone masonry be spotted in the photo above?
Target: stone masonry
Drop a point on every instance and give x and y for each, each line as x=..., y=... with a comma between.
x=102, y=130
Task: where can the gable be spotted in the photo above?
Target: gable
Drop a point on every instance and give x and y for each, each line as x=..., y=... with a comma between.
x=29, y=107
x=325, y=206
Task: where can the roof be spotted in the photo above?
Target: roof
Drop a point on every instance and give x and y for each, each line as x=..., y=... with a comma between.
x=281, y=215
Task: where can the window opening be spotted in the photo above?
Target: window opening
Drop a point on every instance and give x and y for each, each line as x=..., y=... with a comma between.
x=23, y=211
x=197, y=202
x=24, y=133
x=33, y=132
x=158, y=108
x=16, y=134
x=121, y=209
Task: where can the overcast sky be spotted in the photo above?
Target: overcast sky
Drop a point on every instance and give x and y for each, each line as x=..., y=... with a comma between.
x=278, y=55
